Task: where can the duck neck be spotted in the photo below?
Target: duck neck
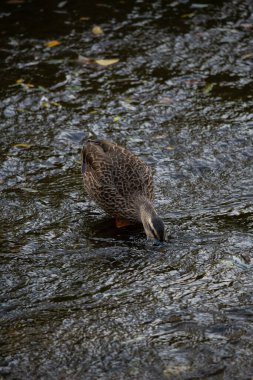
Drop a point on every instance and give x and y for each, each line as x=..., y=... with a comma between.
x=152, y=223
x=146, y=210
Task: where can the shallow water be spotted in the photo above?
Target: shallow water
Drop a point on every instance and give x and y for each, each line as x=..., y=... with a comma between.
x=81, y=299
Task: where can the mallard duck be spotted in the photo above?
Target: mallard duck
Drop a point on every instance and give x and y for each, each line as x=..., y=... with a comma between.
x=122, y=185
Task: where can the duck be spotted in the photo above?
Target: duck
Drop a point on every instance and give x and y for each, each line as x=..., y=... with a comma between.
x=121, y=184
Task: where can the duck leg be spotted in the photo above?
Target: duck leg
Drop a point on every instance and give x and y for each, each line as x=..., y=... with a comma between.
x=122, y=222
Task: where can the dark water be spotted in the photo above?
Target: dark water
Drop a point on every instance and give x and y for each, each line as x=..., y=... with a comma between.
x=80, y=299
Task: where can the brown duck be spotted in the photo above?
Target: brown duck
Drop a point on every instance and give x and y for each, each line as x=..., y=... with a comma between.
x=122, y=185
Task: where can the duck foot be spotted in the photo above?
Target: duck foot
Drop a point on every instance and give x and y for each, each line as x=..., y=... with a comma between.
x=122, y=223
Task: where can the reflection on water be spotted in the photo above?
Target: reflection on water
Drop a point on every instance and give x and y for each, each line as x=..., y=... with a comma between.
x=80, y=298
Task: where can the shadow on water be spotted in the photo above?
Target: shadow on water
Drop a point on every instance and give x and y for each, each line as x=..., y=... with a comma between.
x=80, y=298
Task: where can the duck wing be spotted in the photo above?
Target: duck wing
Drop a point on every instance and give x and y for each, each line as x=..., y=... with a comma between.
x=113, y=176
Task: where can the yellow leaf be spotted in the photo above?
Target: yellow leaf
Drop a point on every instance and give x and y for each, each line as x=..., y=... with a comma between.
x=22, y=110
x=19, y=81
x=188, y=15
x=246, y=56
x=208, y=88
x=56, y=104
x=97, y=30
x=30, y=85
x=106, y=62
x=22, y=145
x=45, y=104
x=170, y=148
x=116, y=119
x=52, y=43
x=84, y=18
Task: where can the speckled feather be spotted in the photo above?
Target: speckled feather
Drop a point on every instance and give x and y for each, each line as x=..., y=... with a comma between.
x=116, y=179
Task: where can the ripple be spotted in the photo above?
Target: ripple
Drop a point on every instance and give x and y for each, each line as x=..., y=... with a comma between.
x=79, y=296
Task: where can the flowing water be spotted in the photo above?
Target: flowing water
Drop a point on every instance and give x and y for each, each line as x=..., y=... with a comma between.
x=81, y=299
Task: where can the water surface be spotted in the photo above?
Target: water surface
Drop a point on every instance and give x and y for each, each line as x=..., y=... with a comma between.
x=81, y=299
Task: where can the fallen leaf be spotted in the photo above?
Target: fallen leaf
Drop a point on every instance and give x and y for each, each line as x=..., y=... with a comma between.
x=169, y=148
x=21, y=81
x=22, y=145
x=106, y=62
x=29, y=190
x=188, y=15
x=56, y=104
x=103, y=62
x=208, y=88
x=45, y=104
x=22, y=110
x=116, y=119
x=84, y=18
x=246, y=56
x=52, y=43
x=97, y=30
x=85, y=60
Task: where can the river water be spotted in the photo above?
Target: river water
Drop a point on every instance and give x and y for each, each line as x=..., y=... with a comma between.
x=81, y=299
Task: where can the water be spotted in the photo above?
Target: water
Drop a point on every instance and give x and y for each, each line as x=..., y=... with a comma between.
x=81, y=299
